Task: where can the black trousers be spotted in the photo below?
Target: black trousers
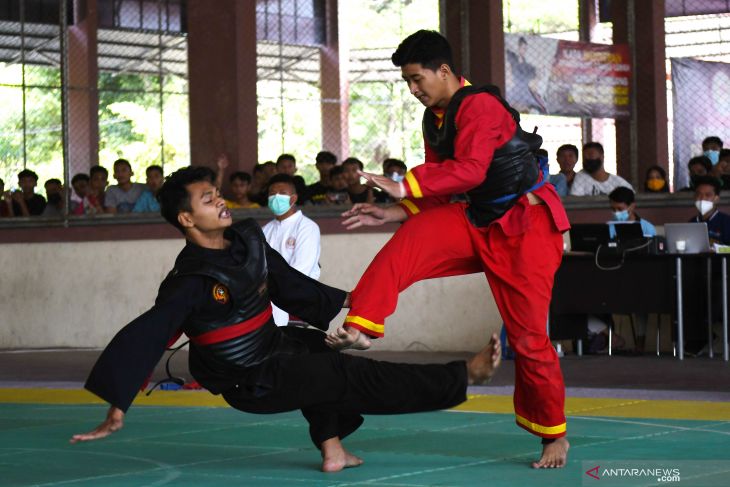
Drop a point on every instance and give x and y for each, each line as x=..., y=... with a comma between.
x=334, y=389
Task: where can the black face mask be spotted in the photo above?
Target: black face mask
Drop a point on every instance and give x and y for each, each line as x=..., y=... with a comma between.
x=54, y=199
x=592, y=165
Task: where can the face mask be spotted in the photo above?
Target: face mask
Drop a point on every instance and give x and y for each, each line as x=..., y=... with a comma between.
x=279, y=203
x=704, y=206
x=398, y=178
x=713, y=156
x=655, y=184
x=592, y=165
x=621, y=216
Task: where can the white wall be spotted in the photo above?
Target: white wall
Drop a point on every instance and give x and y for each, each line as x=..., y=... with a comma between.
x=81, y=294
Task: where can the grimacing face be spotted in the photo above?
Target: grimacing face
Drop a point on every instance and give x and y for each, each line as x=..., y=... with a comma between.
x=208, y=208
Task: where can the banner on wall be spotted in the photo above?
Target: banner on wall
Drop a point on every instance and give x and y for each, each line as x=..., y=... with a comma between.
x=700, y=108
x=577, y=79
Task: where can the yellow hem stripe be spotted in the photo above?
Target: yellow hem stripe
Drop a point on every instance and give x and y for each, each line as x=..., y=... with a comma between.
x=358, y=320
x=546, y=430
x=415, y=187
x=410, y=205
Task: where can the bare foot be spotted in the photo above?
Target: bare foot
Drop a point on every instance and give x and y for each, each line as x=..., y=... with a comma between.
x=481, y=366
x=335, y=457
x=346, y=337
x=554, y=455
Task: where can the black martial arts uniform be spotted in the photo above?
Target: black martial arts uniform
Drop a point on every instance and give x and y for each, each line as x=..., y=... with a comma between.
x=222, y=300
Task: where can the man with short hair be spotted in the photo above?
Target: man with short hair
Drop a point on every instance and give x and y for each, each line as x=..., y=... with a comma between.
x=594, y=179
x=293, y=235
x=707, y=197
x=510, y=229
x=26, y=202
x=80, y=185
x=317, y=192
x=698, y=167
x=567, y=157
x=287, y=164
x=56, y=198
x=122, y=197
x=219, y=294
x=711, y=148
x=98, y=181
x=147, y=202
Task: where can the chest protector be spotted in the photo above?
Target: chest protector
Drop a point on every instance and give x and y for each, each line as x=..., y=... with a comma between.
x=513, y=171
x=248, y=298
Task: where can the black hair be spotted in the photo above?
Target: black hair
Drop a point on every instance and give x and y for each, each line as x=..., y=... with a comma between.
x=568, y=147
x=27, y=173
x=716, y=184
x=2, y=183
x=53, y=181
x=80, y=177
x=712, y=139
x=154, y=167
x=354, y=160
x=174, y=197
x=724, y=153
x=388, y=163
x=98, y=169
x=285, y=157
x=425, y=47
x=622, y=194
x=593, y=145
x=337, y=171
x=326, y=157
x=282, y=178
x=122, y=161
x=243, y=176
x=522, y=40
x=542, y=152
x=662, y=173
x=700, y=160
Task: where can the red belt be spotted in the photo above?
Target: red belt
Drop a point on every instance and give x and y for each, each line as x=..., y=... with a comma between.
x=233, y=331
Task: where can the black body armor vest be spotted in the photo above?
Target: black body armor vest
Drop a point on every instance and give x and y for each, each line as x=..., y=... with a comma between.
x=514, y=167
x=247, y=291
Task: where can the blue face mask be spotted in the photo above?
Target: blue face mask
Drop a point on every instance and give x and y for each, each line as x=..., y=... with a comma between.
x=396, y=177
x=621, y=216
x=713, y=156
x=279, y=203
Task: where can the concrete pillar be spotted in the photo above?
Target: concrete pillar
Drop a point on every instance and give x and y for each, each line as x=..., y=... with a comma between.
x=334, y=85
x=475, y=31
x=83, y=96
x=222, y=82
x=646, y=142
x=587, y=21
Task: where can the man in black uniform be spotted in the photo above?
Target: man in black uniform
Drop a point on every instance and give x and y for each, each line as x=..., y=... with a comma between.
x=219, y=294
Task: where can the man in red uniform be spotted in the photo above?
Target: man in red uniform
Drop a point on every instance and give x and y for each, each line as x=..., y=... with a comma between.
x=510, y=228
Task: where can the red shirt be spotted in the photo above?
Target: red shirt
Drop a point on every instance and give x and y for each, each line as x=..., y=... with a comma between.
x=483, y=125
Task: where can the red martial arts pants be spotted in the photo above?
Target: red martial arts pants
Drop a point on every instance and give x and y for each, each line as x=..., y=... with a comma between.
x=520, y=269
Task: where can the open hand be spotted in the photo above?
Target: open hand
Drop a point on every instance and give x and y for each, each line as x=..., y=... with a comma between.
x=365, y=214
x=393, y=188
x=113, y=422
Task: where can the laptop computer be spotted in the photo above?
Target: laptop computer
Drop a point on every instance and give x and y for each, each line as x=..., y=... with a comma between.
x=586, y=237
x=694, y=236
x=628, y=231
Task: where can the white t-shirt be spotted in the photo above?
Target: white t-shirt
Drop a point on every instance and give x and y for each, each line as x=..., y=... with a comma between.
x=297, y=240
x=585, y=185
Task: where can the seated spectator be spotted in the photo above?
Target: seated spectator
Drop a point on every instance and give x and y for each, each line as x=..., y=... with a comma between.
x=698, y=167
x=724, y=164
x=567, y=157
x=623, y=206
x=711, y=148
x=396, y=170
x=317, y=192
x=359, y=193
x=593, y=179
x=56, y=199
x=26, y=202
x=559, y=181
x=260, y=182
x=292, y=234
x=287, y=164
x=707, y=196
x=98, y=181
x=6, y=205
x=121, y=197
x=240, y=184
x=80, y=185
x=656, y=180
x=147, y=203
x=337, y=194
